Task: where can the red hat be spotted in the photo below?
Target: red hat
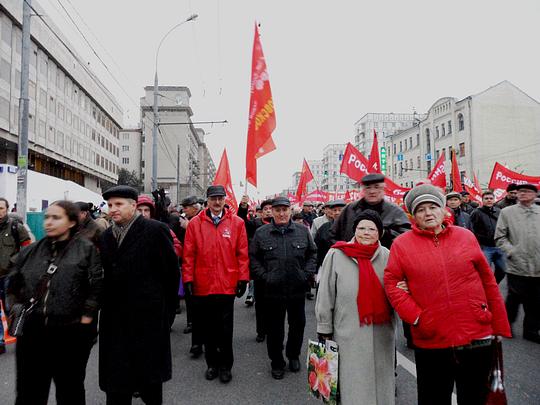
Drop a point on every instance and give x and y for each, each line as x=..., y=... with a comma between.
x=146, y=200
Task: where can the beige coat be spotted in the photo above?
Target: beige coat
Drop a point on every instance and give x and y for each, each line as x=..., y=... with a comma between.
x=367, y=353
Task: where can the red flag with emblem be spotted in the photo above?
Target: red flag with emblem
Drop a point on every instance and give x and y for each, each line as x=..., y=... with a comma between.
x=262, y=117
x=456, y=176
x=354, y=164
x=374, y=159
x=223, y=178
x=305, y=177
x=438, y=173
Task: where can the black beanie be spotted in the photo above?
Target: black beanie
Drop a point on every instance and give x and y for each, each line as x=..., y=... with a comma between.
x=370, y=215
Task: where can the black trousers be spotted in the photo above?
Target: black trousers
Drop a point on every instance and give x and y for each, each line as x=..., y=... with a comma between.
x=275, y=312
x=438, y=369
x=59, y=354
x=215, y=315
x=259, y=307
x=150, y=395
x=193, y=317
x=526, y=291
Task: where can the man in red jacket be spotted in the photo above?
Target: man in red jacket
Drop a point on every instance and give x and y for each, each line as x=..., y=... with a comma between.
x=215, y=269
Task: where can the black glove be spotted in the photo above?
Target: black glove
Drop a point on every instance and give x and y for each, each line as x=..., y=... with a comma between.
x=241, y=288
x=188, y=289
x=323, y=337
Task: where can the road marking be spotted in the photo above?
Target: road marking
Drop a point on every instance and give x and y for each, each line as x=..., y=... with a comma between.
x=410, y=367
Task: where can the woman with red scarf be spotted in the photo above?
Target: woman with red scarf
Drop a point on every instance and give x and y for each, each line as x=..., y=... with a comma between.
x=352, y=310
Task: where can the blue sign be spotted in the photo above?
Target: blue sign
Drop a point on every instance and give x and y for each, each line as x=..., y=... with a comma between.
x=428, y=156
x=400, y=157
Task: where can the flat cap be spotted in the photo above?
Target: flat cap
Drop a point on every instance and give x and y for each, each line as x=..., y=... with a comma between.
x=281, y=201
x=527, y=186
x=453, y=194
x=216, y=191
x=511, y=187
x=189, y=200
x=121, y=192
x=372, y=178
x=424, y=193
x=336, y=203
x=308, y=203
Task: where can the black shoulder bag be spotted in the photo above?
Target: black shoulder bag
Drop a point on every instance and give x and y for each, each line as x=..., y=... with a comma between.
x=19, y=312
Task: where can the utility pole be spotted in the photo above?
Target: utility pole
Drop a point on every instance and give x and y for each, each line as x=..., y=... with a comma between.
x=22, y=156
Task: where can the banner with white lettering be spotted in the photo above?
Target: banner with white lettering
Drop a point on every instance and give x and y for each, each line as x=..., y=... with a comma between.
x=354, y=164
x=394, y=192
x=501, y=177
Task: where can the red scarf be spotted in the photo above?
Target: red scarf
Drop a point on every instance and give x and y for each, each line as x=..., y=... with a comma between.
x=373, y=307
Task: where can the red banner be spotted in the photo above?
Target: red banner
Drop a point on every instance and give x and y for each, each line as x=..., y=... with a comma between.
x=438, y=173
x=470, y=187
x=223, y=178
x=374, y=164
x=456, y=176
x=305, y=177
x=501, y=177
x=317, y=196
x=354, y=164
x=394, y=192
x=262, y=116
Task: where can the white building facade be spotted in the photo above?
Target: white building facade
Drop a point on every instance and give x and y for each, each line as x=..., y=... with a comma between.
x=74, y=121
x=131, y=149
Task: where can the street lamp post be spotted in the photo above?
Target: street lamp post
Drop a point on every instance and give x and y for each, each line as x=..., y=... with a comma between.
x=156, y=118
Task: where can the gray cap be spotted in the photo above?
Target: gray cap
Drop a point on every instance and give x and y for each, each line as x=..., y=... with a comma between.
x=336, y=203
x=424, y=193
x=216, y=191
x=372, y=178
x=190, y=200
x=281, y=201
x=453, y=194
x=308, y=203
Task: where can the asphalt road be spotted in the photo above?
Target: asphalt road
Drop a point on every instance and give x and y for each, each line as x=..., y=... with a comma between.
x=252, y=383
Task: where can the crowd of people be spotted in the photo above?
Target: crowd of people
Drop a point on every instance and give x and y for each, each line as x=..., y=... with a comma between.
x=435, y=262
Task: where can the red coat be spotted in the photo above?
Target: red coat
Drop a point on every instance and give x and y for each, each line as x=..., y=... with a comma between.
x=453, y=292
x=215, y=257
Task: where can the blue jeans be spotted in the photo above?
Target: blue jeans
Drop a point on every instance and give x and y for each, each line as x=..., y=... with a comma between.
x=498, y=258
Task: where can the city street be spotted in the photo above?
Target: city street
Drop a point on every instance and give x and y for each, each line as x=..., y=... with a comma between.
x=252, y=383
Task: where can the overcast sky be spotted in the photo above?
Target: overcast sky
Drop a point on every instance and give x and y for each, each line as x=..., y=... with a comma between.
x=329, y=62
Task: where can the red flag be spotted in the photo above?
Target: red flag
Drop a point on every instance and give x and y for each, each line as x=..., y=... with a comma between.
x=354, y=164
x=501, y=177
x=394, y=192
x=456, y=177
x=262, y=117
x=476, y=182
x=223, y=177
x=305, y=177
x=374, y=164
x=438, y=173
x=476, y=194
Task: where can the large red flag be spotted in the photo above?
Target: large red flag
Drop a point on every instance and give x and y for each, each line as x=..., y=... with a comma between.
x=438, y=173
x=470, y=187
x=262, y=117
x=305, y=177
x=501, y=177
x=223, y=177
x=354, y=164
x=456, y=176
x=374, y=160
x=394, y=192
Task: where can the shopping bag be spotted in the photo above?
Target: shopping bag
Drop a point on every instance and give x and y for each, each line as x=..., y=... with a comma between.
x=322, y=369
x=497, y=393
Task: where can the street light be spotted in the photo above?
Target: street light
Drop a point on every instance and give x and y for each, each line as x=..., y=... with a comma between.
x=155, y=126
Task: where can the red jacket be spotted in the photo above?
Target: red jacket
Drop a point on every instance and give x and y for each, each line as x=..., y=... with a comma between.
x=215, y=257
x=453, y=292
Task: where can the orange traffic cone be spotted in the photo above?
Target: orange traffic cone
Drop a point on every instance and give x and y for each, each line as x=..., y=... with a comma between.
x=7, y=338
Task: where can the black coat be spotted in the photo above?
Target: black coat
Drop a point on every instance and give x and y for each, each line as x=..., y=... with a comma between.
x=140, y=289
x=283, y=258
x=484, y=222
x=461, y=218
x=323, y=240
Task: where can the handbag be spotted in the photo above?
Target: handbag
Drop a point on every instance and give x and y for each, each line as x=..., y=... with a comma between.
x=496, y=393
x=19, y=312
x=322, y=370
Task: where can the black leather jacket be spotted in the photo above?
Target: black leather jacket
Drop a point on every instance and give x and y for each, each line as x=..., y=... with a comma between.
x=283, y=257
x=484, y=222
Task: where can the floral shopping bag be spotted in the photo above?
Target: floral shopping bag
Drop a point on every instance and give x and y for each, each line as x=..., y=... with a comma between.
x=322, y=368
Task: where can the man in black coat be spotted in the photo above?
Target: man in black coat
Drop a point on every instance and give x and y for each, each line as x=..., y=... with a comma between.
x=461, y=218
x=283, y=255
x=483, y=222
x=141, y=279
x=395, y=221
x=510, y=198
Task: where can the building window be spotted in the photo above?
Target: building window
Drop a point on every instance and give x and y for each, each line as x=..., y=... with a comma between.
x=462, y=149
x=428, y=141
x=125, y=161
x=444, y=152
x=125, y=148
x=126, y=135
x=400, y=146
x=410, y=142
x=449, y=127
x=417, y=139
x=394, y=149
x=5, y=70
x=461, y=122
x=418, y=162
x=437, y=133
x=443, y=130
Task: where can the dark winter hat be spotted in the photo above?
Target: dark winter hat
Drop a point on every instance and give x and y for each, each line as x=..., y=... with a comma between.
x=121, y=192
x=190, y=200
x=265, y=203
x=464, y=193
x=83, y=206
x=216, y=191
x=336, y=203
x=453, y=194
x=511, y=187
x=424, y=193
x=372, y=216
x=527, y=186
x=372, y=178
x=281, y=202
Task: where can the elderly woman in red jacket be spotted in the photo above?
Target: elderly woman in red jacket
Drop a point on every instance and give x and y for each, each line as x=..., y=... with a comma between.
x=452, y=301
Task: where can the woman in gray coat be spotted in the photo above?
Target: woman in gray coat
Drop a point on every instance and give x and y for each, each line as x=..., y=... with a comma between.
x=352, y=310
